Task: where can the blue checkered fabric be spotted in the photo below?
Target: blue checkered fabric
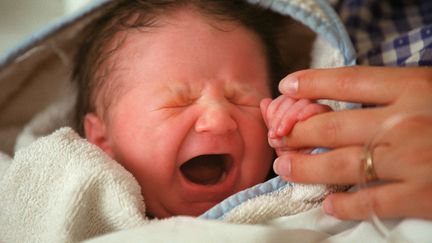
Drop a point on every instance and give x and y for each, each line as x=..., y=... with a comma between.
x=389, y=32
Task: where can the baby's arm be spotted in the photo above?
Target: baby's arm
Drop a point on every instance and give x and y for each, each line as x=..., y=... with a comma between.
x=282, y=113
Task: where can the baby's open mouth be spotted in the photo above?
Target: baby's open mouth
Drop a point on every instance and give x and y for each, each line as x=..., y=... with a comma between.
x=207, y=169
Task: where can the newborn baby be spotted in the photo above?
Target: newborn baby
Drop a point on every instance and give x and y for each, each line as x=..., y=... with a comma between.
x=172, y=92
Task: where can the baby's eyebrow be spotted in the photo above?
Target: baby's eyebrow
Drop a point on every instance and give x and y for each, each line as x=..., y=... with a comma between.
x=177, y=93
x=184, y=90
x=172, y=88
x=242, y=89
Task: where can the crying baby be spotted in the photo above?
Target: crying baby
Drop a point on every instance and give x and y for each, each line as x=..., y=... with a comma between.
x=172, y=92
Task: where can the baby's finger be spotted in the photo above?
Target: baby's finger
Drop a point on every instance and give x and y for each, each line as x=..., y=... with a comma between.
x=264, y=104
x=278, y=113
x=271, y=109
x=311, y=110
x=288, y=116
x=412, y=200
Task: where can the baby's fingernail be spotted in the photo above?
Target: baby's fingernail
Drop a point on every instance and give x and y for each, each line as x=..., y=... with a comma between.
x=328, y=207
x=276, y=142
x=289, y=85
x=271, y=133
x=280, y=131
x=282, y=167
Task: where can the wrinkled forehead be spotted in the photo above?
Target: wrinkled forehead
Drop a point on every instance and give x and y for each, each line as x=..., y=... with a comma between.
x=183, y=37
x=127, y=53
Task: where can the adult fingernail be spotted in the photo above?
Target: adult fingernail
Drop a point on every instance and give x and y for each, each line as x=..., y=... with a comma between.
x=282, y=167
x=328, y=207
x=289, y=85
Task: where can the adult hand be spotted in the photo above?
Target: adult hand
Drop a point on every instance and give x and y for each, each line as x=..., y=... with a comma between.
x=403, y=160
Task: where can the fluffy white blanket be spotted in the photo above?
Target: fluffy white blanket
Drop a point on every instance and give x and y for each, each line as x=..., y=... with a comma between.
x=61, y=188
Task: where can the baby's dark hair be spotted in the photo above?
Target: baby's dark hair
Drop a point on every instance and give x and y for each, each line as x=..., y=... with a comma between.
x=89, y=71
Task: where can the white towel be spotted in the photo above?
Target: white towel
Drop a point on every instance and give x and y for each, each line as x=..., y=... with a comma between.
x=63, y=189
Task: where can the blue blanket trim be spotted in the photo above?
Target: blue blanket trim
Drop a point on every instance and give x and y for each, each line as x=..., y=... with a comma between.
x=224, y=207
x=333, y=30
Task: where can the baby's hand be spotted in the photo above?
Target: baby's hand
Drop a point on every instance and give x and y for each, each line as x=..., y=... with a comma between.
x=281, y=114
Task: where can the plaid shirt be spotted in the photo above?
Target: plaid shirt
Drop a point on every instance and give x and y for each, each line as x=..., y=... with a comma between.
x=389, y=32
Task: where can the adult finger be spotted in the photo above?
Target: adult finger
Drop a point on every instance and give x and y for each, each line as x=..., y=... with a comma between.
x=346, y=165
x=335, y=129
x=377, y=85
x=413, y=200
x=340, y=166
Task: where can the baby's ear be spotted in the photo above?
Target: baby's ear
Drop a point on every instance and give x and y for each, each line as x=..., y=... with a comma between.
x=95, y=132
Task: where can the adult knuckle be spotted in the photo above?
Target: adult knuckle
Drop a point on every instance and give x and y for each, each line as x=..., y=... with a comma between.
x=330, y=130
x=368, y=203
x=346, y=81
x=375, y=206
x=340, y=166
x=421, y=157
x=424, y=84
x=423, y=80
x=427, y=193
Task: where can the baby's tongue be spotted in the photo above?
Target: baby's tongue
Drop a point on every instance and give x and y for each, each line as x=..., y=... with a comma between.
x=204, y=169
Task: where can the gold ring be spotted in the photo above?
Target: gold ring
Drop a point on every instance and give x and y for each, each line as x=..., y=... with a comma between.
x=368, y=166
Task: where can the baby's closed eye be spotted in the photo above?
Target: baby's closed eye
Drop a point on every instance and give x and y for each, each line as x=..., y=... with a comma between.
x=178, y=103
x=177, y=98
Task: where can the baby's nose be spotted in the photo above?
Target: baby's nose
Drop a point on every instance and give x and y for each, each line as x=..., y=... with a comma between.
x=216, y=118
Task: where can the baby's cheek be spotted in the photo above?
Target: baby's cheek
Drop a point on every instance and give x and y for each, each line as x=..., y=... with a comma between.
x=259, y=118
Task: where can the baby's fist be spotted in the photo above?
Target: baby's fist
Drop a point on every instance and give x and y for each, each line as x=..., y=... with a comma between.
x=281, y=114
